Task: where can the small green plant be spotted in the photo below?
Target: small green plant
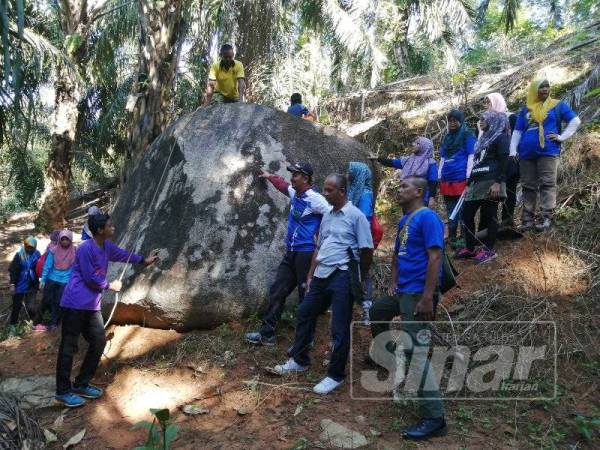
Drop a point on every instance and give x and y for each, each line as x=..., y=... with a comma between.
x=396, y=425
x=161, y=433
x=301, y=444
x=312, y=377
x=463, y=416
x=225, y=331
x=586, y=426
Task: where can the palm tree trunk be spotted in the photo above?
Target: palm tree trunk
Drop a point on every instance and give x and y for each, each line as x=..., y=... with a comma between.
x=161, y=28
x=55, y=198
x=401, y=49
x=75, y=23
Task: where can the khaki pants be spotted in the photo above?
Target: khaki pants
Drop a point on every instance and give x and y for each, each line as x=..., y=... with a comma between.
x=385, y=309
x=538, y=175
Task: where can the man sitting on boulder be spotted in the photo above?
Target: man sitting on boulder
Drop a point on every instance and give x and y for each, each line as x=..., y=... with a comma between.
x=297, y=109
x=306, y=210
x=226, y=79
x=345, y=232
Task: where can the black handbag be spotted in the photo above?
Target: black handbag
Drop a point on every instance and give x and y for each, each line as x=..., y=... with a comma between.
x=449, y=274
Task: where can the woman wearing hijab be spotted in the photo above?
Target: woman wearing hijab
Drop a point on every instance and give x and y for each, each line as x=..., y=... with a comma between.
x=486, y=186
x=360, y=193
x=455, y=167
x=419, y=164
x=23, y=277
x=495, y=102
x=55, y=276
x=536, y=139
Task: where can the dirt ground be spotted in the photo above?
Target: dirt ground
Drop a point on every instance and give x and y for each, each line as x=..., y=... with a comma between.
x=250, y=409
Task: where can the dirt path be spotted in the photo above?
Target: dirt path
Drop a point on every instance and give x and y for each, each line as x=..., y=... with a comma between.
x=146, y=368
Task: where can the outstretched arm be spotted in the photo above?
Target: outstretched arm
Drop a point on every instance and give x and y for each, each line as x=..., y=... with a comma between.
x=278, y=182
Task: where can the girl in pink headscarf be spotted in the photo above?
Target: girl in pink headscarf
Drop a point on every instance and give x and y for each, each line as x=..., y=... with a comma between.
x=419, y=164
x=494, y=102
x=55, y=276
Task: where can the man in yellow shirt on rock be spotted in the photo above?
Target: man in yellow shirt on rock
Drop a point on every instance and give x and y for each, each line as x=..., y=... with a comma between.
x=226, y=80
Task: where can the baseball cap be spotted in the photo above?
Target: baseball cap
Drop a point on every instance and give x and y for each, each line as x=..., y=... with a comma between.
x=302, y=167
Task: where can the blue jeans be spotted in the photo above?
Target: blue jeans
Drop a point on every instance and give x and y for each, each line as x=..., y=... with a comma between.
x=335, y=291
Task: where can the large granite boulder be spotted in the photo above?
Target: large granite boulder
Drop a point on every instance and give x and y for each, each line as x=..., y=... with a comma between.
x=218, y=227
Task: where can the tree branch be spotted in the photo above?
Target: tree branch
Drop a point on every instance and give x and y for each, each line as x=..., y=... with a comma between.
x=97, y=13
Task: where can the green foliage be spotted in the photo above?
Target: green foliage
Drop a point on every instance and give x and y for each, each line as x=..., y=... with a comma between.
x=73, y=42
x=161, y=433
x=301, y=444
x=592, y=93
x=586, y=426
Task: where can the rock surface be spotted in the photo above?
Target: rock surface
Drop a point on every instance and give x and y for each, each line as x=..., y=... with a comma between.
x=219, y=228
x=341, y=437
x=32, y=391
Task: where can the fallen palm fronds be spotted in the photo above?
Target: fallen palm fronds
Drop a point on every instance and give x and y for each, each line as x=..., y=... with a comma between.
x=18, y=430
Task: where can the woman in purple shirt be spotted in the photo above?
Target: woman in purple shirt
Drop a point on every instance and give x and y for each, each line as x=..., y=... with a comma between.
x=81, y=314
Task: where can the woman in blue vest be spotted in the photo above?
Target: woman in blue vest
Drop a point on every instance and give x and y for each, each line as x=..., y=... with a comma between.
x=419, y=164
x=537, y=139
x=456, y=152
x=23, y=278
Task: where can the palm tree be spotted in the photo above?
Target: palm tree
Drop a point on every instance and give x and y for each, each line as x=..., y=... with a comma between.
x=162, y=29
x=80, y=28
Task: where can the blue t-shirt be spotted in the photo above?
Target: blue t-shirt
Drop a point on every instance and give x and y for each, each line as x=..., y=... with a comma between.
x=432, y=175
x=425, y=231
x=365, y=204
x=529, y=146
x=455, y=167
x=306, y=212
x=52, y=273
x=298, y=110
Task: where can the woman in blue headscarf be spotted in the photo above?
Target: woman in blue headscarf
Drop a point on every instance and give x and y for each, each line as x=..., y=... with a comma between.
x=360, y=190
x=360, y=193
x=23, y=277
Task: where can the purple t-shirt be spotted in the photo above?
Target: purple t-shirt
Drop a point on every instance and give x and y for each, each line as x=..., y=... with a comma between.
x=88, y=278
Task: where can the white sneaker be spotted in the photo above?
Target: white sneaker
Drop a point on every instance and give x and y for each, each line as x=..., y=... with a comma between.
x=327, y=385
x=290, y=366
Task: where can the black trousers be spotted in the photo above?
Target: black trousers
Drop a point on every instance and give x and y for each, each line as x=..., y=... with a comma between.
x=53, y=292
x=488, y=215
x=18, y=300
x=512, y=181
x=77, y=322
x=291, y=274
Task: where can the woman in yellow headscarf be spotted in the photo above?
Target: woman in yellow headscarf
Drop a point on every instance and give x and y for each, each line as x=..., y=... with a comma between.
x=536, y=139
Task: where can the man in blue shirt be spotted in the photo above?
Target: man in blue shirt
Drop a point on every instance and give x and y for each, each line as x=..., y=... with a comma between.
x=306, y=210
x=297, y=109
x=344, y=231
x=414, y=294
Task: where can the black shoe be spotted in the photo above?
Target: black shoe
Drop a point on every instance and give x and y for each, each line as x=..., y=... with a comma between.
x=425, y=429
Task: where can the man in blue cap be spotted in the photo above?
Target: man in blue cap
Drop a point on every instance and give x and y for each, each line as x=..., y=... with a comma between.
x=306, y=210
